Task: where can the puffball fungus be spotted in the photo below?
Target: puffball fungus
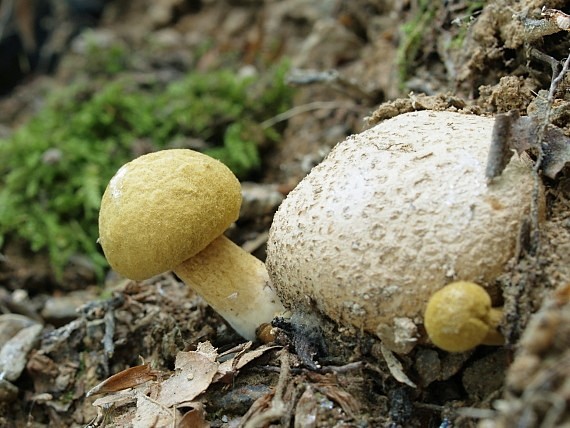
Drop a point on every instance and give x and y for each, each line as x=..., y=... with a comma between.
x=459, y=317
x=391, y=216
x=167, y=211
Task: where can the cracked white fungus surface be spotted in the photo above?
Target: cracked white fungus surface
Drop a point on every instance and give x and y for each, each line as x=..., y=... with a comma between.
x=392, y=215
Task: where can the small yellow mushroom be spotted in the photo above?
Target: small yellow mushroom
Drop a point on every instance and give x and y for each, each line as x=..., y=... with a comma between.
x=459, y=317
x=168, y=210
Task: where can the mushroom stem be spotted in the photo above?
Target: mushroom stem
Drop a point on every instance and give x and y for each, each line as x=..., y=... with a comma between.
x=251, y=301
x=494, y=337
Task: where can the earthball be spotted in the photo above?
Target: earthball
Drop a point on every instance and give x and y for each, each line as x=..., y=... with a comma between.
x=392, y=215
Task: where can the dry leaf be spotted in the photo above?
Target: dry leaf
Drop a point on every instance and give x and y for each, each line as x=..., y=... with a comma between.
x=343, y=398
x=195, y=418
x=395, y=367
x=328, y=386
x=306, y=410
x=230, y=367
x=151, y=413
x=236, y=349
x=556, y=152
x=259, y=406
x=128, y=378
x=252, y=355
x=208, y=350
x=115, y=400
x=559, y=18
x=194, y=372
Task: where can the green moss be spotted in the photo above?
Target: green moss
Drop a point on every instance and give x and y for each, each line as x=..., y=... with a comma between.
x=473, y=7
x=54, y=169
x=101, y=59
x=412, y=35
x=418, y=33
x=239, y=153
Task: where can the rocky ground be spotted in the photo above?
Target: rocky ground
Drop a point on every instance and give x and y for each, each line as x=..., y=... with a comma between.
x=77, y=352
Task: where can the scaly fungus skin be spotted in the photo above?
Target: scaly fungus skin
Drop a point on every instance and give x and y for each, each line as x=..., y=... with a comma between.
x=168, y=210
x=391, y=216
x=459, y=317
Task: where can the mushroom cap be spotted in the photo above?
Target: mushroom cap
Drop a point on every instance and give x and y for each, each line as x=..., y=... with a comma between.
x=164, y=207
x=391, y=216
x=458, y=316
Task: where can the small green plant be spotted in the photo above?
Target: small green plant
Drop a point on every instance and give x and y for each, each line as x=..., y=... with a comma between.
x=105, y=57
x=239, y=153
x=413, y=33
x=54, y=169
x=463, y=23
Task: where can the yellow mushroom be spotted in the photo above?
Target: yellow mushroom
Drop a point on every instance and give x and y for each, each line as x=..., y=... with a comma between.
x=459, y=317
x=167, y=211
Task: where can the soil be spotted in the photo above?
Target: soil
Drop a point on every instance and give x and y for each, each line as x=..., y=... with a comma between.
x=126, y=359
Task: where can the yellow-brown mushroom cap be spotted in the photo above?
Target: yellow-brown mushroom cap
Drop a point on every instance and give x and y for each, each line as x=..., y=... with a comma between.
x=164, y=207
x=459, y=317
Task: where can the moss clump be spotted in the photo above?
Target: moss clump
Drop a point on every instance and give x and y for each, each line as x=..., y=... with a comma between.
x=54, y=169
x=413, y=35
x=463, y=23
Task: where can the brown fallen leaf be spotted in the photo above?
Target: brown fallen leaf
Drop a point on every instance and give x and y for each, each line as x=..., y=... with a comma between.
x=116, y=400
x=259, y=406
x=559, y=18
x=395, y=367
x=556, y=152
x=151, y=413
x=195, y=418
x=242, y=347
x=328, y=385
x=128, y=378
x=306, y=410
x=208, y=350
x=161, y=402
x=194, y=372
x=229, y=368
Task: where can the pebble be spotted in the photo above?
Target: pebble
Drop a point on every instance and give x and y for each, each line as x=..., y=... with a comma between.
x=63, y=309
x=10, y=324
x=13, y=355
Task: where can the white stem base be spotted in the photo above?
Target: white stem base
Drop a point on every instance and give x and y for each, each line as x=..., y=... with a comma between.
x=234, y=283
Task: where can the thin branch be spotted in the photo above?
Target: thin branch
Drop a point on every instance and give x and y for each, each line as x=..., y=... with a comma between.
x=278, y=406
x=556, y=79
x=304, y=108
x=554, y=84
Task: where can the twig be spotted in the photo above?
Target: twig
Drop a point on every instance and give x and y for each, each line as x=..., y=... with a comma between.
x=278, y=407
x=283, y=376
x=304, y=108
x=108, y=343
x=556, y=79
x=554, y=84
x=335, y=80
x=356, y=365
x=547, y=59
